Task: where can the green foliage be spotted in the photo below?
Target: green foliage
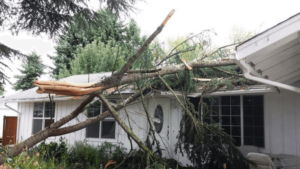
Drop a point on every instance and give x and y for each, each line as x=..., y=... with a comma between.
x=1, y=89
x=123, y=39
x=53, y=150
x=97, y=57
x=32, y=69
x=84, y=155
x=205, y=144
x=53, y=155
x=240, y=34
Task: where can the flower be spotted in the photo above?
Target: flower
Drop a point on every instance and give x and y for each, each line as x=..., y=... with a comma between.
x=23, y=161
x=35, y=163
x=37, y=154
x=27, y=157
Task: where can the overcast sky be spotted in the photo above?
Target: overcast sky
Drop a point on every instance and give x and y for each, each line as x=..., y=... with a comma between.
x=191, y=16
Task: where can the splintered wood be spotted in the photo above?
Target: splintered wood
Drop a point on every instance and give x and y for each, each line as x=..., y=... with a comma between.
x=65, y=88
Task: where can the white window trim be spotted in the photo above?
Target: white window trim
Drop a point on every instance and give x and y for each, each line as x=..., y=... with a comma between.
x=114, y=140
x=43, y=118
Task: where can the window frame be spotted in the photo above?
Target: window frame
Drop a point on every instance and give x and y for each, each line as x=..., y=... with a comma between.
x=42, y=118
x=241, y=115
x=90, y=139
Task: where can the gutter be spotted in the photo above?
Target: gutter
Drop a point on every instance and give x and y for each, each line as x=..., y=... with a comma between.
x=247, y=73
x=19, y=118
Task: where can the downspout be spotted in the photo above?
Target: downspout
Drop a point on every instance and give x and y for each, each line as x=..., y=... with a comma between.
x=12, y=108
x=247, y=70
x=18, y=122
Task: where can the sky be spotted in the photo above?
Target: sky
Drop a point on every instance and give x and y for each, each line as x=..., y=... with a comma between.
x=191, y=16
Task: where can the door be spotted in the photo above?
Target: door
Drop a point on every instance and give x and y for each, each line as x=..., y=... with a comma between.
x=159, y=108
x=9, y=130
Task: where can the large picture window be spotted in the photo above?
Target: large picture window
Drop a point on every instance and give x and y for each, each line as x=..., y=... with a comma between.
x=241, y=117
x=43, y=115
x=105, y=129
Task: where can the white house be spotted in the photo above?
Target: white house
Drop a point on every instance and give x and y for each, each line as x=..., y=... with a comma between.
x=263, y=118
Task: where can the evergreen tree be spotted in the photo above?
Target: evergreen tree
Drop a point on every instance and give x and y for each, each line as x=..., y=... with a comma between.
x=51, y=17
x=32, y=69
x=126, y=38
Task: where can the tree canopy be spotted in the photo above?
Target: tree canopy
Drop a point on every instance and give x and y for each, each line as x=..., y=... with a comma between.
x=51, y=17
x=74, y=43
x=32, y=69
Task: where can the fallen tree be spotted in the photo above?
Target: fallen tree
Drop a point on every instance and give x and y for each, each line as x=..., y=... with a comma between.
x=111, y=84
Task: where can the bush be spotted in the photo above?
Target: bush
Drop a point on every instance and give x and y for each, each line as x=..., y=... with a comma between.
x=88, y=156
x=53, y=150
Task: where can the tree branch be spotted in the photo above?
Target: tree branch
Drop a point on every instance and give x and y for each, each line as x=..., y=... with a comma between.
x=126, y=67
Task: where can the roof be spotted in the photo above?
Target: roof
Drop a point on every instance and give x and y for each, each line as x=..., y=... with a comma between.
x=267, y=30
x=31, y=94
x=273, y=56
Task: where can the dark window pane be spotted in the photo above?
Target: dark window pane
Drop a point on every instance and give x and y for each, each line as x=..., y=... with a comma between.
x=248, y=131
x=108, y=129
x=235, y=110
x=258, y=110
x=248, y=121
x=48, y=122
x=215, y=110
x=235, y=120
x=237, y=141
x=214, y=101
x=216, y=119
x=38, y=109
x=247, y=100
x=37, y=125
x=49, y=109
x=226, y=129
x=225, y=120
x=258, y=131
x=248, y=110
x=236, y=131
x=92, y=131
x=259, y=142
x=258, y=121
x=94, y=109
x=235, y=100
x=248, y=141
x=258, y=100
x=225, y=100
x=225, y=110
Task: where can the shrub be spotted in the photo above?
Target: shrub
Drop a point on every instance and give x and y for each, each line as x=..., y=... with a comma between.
x=88, y=156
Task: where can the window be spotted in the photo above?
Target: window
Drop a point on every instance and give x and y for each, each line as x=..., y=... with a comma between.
x=105, y=129
x=242, y=117
x=160, y=115
x=43, y=115
x=253, y=121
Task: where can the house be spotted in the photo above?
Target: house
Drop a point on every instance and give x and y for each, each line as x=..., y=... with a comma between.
x=262, y=118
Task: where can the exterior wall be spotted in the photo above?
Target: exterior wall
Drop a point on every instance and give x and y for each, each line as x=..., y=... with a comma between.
x=282, y=123
x=172, y=115
x=63, y=108
x=4, y=111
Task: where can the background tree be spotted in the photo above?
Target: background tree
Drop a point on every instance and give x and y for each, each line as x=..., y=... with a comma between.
x=32, y=69
x=85, y=45
x=51, y=17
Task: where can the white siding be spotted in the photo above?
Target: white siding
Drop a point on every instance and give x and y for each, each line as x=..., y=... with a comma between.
x=4, y=111
x=282, y=127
